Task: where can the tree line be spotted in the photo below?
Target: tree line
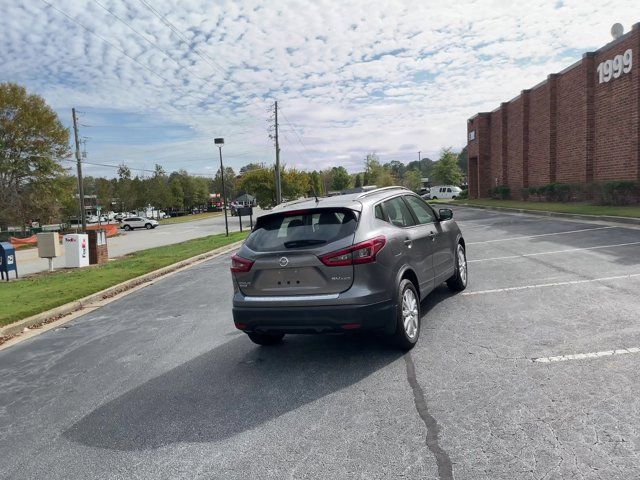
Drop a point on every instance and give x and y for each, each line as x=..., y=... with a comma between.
x=35, y=184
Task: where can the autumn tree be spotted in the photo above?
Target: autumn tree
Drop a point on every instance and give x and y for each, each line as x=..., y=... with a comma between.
x=33, y=142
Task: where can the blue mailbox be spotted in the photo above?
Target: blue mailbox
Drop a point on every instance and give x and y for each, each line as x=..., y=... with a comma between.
x=7, y=260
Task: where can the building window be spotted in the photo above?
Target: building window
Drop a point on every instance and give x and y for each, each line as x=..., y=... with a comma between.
x=472, y=135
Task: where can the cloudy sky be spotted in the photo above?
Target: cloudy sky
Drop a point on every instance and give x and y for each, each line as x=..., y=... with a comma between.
x=156, y=80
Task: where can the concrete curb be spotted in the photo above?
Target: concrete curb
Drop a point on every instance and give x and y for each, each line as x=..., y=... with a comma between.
x=543, y=213
x=98, y=297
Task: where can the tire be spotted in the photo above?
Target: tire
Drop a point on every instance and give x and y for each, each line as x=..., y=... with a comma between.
x=148, y=226
x=458, y=281
x=407, y=316
x=454, y=197
x=266, y=339
x=434, y=198
x=127, y=228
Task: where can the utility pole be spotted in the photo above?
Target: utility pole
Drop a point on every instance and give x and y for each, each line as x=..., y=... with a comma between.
x=79, y=165
x=278, y=184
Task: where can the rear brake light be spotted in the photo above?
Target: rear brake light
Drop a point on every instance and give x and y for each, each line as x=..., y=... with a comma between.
x=239, y=264
x=363, y=252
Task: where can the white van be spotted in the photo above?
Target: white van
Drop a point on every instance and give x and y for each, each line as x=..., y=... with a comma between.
x=445, y=191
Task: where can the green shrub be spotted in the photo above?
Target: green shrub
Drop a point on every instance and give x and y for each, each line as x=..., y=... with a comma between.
x=501, y=192
x=620, y=192
x=464, y=195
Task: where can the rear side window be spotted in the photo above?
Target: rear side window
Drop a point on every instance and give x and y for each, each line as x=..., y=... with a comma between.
x=380, y=212
x=398, y=212
x=308, y=229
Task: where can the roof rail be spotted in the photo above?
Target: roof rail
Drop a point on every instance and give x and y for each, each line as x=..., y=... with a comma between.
x=292, y=202
x=381, y=189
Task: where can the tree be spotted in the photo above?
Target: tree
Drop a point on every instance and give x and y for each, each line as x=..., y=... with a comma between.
x=396, y=168
x=124, y=189
x=315, y=180
x=229, y=183
x=33, y=141
x=339, y=178
x=159, y=189
x=295, y=183
x=384, y=178
x=412, y=180
x=446, y=170
x=261, y=184
x=251, y=166
x=463, y=159
x=358, y=181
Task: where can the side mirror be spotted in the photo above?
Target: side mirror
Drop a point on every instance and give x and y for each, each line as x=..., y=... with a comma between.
x=445, y=214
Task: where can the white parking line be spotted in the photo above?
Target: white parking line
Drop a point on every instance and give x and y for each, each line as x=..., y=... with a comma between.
x=552, y=252
x=555, y=284
x=583, y=356
x=539, y=235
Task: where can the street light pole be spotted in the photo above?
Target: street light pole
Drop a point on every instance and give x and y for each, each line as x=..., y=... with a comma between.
x=219, y=142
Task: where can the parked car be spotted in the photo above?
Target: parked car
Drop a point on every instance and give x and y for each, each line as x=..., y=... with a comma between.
x=445, y=191
x=129, y=223
x=361, y=261
x=92, y=219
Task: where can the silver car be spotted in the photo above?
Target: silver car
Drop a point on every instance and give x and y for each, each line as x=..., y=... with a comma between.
x=361, y=261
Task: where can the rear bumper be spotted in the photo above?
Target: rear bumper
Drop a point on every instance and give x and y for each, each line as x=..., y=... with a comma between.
x=316, y=319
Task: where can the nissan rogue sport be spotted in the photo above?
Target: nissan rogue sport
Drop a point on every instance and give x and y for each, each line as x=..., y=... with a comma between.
x=362, y=261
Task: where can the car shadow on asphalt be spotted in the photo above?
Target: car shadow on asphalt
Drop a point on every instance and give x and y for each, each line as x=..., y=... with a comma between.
x=235, y=387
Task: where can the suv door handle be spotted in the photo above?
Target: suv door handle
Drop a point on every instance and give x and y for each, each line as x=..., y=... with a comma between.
x=432, y=236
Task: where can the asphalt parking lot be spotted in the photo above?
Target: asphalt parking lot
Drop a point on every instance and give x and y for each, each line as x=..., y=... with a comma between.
x=530, y=373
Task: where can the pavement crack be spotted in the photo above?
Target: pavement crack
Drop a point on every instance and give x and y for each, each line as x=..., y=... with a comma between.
x=445, y=467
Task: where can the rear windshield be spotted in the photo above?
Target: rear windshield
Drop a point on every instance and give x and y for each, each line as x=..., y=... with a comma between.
x=306, y=229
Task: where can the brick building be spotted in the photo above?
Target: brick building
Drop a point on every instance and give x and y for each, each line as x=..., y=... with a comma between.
x=581, y=125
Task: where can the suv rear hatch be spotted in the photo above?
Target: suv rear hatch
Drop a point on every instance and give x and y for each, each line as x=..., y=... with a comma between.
x=285, y=248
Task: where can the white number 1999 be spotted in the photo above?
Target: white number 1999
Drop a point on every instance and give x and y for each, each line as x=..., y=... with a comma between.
x=616, y=67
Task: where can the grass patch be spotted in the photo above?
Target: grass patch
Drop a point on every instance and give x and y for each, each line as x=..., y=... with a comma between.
x=577, y=208
x=189, y=218
x=42, y=292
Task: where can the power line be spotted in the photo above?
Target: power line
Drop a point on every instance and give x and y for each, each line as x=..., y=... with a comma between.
x=137, y=169
x=184, y=39
x=296, y=133
x=153, y=72
x=133, y=29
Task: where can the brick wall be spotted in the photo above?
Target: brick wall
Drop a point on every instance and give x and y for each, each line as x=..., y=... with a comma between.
x=616, y=118
x=568, y=129
x=495, y=142
x=514, y=145
x=539, y=125
x=571, y=126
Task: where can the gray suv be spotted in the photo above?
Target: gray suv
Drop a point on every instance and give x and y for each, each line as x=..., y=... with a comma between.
x=361, y=261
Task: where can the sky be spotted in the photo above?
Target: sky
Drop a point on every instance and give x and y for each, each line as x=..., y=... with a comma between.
x=154, y=81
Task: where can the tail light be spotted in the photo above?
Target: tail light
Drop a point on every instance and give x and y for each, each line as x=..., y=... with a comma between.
x=363, y=252
x=239, y=264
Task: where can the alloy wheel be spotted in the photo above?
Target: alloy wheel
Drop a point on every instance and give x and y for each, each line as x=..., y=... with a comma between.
x=462, y=264
x=410, y=313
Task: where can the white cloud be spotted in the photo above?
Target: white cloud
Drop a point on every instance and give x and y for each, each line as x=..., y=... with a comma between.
x=351, y=77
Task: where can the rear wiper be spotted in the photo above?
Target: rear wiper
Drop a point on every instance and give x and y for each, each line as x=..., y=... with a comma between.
x=303, y=243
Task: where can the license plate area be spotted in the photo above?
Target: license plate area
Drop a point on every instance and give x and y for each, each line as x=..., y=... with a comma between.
x=288, y=277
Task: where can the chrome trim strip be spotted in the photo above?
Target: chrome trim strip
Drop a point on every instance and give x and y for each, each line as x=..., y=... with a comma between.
x=293, y=298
